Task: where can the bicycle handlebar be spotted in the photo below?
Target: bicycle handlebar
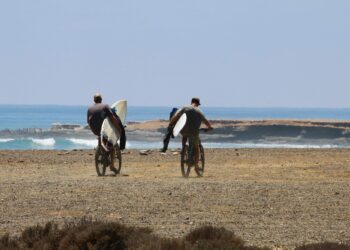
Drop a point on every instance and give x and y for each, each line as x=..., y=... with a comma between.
x=205, y=129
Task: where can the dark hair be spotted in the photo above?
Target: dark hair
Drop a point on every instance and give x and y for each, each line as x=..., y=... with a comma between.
x=196, y=101
x=97, y=98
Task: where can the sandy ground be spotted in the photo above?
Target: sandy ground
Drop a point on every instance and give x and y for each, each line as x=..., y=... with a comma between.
x=272, y=197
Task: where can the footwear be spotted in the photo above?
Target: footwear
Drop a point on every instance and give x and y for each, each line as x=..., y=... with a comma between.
x=113, y=169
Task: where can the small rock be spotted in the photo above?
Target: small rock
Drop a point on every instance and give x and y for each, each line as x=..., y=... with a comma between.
x=144, y=152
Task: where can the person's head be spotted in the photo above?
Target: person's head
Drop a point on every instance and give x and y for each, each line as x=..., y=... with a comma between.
x=195, y=101
x=97, y=98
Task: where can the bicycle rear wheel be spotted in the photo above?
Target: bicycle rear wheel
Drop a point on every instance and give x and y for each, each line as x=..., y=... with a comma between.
x=101, y=161
x=200, y=169
x=185, y=167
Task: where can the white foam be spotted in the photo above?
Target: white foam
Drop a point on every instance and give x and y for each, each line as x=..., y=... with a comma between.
x=268, y=145
x=145, y=145
x=6, y=140
x=49, y=142
x=89, y=143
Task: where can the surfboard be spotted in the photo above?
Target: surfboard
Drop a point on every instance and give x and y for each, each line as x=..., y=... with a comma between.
x=108, y=130
x=180, y=124
x=121, y=109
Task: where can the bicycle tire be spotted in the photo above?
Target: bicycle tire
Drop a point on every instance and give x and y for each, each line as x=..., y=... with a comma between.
x=118, y=156
x=100, y=161
x=200, y=169
x=185, y=167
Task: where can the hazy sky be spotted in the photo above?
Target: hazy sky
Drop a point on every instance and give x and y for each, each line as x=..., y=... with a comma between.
x=258, y=53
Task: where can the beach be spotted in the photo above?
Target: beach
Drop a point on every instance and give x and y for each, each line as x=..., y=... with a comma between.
x=268, y=197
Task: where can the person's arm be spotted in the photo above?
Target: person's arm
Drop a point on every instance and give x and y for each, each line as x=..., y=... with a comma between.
x=88, y=117
x=116, y=123
x=176, y=117
x=114, y=120
x=207, y=123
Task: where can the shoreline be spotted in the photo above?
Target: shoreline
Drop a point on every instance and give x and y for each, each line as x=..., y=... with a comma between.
x=227, y=134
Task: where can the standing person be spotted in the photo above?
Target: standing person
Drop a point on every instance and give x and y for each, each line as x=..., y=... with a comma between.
x=195, y=117
x=169, y=132
x=95, y=116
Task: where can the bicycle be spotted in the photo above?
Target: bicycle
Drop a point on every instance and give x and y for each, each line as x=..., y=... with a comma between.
x=103, y=158
x=188, y=161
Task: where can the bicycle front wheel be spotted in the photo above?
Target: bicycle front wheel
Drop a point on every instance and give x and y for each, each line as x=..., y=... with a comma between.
x=185, y=167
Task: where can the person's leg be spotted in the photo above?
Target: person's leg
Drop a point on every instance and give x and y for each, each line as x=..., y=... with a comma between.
x=196, y=150
x=112, y=152
x=166, y=140
x=104, y=143
x=184, y=140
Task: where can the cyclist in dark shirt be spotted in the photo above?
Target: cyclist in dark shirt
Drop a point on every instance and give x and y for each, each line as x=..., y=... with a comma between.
x=95, y=116
x=195, y=117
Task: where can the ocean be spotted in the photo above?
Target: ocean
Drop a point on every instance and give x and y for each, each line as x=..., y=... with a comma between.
x=19, y=123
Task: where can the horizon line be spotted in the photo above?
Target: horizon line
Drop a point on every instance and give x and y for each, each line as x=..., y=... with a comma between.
x=166, y=106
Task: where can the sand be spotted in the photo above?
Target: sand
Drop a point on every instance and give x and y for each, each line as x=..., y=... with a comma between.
x=269, y=197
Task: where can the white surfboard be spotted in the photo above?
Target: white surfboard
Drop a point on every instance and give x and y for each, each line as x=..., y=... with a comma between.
x=180, y=124
x=121, y=109
x=108, y=130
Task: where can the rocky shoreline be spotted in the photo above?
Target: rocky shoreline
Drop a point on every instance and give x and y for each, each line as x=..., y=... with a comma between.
x=226, y=131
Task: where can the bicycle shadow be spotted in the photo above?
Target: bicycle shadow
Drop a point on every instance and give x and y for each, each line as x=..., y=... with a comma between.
x=113, y=175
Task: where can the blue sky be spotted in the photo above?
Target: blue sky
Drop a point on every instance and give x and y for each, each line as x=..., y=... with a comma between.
x=161, y=53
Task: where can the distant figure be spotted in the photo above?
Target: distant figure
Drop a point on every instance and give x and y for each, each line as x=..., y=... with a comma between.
x=95, y=117
x=195, y=117
x=169, y=132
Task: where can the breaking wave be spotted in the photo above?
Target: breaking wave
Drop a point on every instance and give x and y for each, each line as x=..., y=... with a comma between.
x=84, y=142
x=90, y=143
x=269, y=145
x=48, y=142
x=6, y=140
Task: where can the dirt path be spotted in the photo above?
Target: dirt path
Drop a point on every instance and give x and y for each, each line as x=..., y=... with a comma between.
x=272, y=197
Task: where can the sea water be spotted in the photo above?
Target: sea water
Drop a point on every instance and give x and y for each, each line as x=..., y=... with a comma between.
x=21, y=117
